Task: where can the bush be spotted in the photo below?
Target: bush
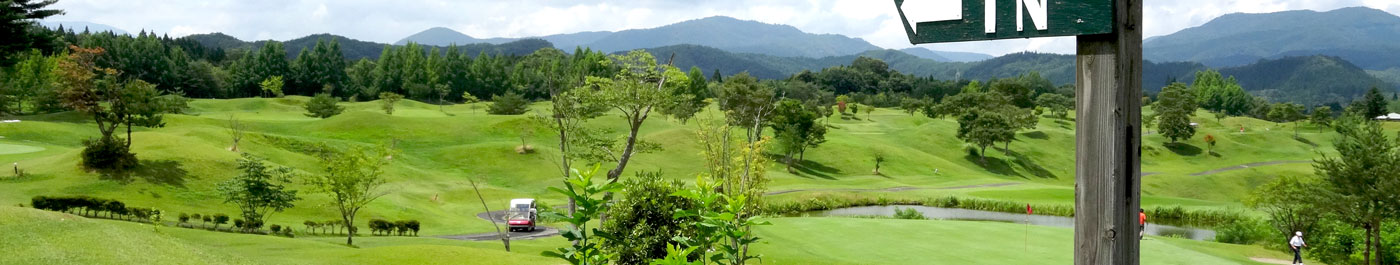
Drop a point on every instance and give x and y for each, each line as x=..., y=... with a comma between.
x=1244, y=231
x=509, y=103
x=378, y=226
x=413, y=225
x=184, y=218
x=107, y=156
x=275, y=228
x=642, y=220
x=323, y=106
x=908, y=213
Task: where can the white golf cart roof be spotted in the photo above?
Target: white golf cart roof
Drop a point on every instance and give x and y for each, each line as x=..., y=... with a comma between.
x=521, y=201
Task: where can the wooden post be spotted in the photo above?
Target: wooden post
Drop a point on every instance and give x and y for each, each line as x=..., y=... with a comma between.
x=1108, y=94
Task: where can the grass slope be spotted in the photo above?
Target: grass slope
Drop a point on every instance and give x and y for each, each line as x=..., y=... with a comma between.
x=885, y=241
x=182, y=162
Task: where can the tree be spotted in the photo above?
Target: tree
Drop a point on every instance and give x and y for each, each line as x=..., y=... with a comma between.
x=469, y=99
x=984, y=118
x=1290, y=203
x=96, y=91
x=747, y=104
x=1175, y=106
x=796, y=129
x=260, y=190
x=387, y=100
x=910, y=105
x=1372, y=104
x=640, y=86
x=593, y=198
x=1287, y=112
x=1059, y=105
x=509, y=103
x=272, y=86
x=879, y=159
x=323, y=105
x=33, y=80
x=18, y=23
x=236, y=129
x=1361, y=181
x=352, y=180
x=1321, y=116
x=841, y=102
x=1210, y=143
x=694, y=95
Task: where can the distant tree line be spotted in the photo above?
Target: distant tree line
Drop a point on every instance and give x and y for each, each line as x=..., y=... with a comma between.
x=383, y=227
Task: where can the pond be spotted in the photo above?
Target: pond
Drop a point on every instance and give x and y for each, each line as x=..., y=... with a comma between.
x=975, y=215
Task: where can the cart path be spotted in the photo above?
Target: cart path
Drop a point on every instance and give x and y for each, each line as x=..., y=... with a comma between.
x=897, y=189
x=540, y=231
x=1269, y=260
x=1244, y=166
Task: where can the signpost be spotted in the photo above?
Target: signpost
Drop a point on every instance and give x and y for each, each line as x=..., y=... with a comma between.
x=1108, y=92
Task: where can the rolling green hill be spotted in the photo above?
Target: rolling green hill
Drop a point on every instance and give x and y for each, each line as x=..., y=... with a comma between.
x=182, y=162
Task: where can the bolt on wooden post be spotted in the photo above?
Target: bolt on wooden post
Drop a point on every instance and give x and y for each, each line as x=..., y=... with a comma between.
x=1108, y=92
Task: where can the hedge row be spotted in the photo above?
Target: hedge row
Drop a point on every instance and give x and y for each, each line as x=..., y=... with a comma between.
x=94, y=207
x=382, y=227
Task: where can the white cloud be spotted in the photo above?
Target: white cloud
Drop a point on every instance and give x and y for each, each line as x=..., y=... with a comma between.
x=389, y=21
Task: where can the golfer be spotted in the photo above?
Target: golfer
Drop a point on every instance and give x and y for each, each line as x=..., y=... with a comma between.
x=1297, y=244
x=1142, y=223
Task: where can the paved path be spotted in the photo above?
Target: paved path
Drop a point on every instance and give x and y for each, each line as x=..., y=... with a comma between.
x=1270, y=260
x=897, y=189
x=1244, y=166
x=540, y=231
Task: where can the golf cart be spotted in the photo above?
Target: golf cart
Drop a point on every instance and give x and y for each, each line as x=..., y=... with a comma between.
x=521, y=215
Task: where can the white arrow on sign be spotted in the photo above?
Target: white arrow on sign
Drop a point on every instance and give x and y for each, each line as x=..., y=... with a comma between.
x=932, y=10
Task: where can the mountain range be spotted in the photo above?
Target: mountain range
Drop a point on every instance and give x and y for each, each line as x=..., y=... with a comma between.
x=1302, y=56
x=1367, y=37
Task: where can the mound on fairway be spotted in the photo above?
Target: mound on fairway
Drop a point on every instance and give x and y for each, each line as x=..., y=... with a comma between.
x=40, y=237
x=10, y=149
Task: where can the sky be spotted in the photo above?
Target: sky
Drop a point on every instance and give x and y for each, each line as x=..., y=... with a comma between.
x=875, y=21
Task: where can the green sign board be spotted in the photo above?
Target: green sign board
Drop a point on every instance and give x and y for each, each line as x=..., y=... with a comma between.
x=931, y=21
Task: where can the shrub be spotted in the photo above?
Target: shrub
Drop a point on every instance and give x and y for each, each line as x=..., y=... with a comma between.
x=378, y=226
x=240, y=224
x=184, y=218
x=509, y=103
x=275, y=228
x=908, y=213
x=220, y=219
x=107, y=156
x=1244, y=231
x=323, y=106
x=643, y=219
x=401, y=226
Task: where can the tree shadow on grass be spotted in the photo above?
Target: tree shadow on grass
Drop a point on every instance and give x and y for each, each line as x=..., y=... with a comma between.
x=162, y=172
x=808, y=168
x=1306, y=141
x=1030, y=165
x=1039, y=135
x=1182, y=149
x=993, y=164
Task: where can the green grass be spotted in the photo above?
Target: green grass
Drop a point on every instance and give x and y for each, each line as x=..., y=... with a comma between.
x=890, y=241
x=183, y=161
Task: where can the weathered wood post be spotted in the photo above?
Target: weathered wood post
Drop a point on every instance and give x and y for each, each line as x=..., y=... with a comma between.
x=1108, y=93
x=1108, y=100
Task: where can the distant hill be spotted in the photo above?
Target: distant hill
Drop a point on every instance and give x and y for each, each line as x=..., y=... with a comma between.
x=1308, y=79
x=944, y=56
x=725, y=33
x=356, y=49
x=79, y=26
x=1367, y=37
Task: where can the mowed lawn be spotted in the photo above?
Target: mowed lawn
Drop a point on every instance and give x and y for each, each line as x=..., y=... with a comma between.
x=40, y=237
x=816, y=240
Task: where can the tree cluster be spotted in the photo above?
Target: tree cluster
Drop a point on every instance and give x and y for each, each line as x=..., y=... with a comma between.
x=94, y=207
x=382, y=227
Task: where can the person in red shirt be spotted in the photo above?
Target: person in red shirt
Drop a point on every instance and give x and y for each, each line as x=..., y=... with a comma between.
x=1142, y=222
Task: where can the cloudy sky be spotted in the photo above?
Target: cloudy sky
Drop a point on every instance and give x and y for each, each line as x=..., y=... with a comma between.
x=875, y=21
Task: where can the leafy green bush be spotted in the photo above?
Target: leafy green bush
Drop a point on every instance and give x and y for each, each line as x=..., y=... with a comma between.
x=107, y=156
x=509, y=103
x=1244, y=231
x=642, y=219
x=908, y=213
x=323, y=106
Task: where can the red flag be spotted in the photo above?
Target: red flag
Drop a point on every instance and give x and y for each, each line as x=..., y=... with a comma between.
x=1028, y=209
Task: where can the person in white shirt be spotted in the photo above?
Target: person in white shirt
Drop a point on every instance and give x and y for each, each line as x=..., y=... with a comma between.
x=1297, y=245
